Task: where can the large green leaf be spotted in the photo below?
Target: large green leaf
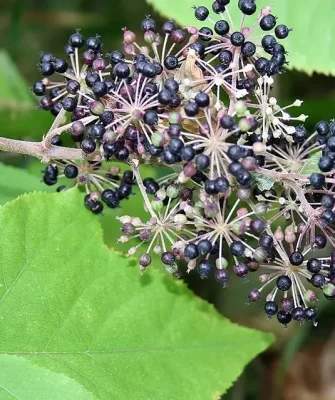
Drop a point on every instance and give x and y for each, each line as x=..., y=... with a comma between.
x=14, y=92
x=69, y=306
x=311, y=43
x=18, y=116
x=22, y=379
x=16, y=181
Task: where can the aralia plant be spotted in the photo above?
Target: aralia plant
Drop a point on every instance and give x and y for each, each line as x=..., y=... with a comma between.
x=249, y=189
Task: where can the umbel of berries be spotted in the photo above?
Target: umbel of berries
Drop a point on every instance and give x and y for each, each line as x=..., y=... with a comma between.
x=244, y=188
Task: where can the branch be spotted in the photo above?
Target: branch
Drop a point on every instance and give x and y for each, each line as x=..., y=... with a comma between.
x=38, y=150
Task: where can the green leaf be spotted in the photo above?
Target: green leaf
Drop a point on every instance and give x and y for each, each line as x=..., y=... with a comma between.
x=263, y=182
x=312, y=164
x=18, y=116
x=20, y=378
x=14, y=91
x=16, y=181
x=18, y=124
x=313, y=55
x=70, y=306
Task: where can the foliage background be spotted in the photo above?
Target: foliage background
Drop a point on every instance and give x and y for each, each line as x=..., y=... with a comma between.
x=301, y=364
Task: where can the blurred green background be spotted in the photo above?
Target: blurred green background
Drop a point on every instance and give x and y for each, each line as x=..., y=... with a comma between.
x=301, y=365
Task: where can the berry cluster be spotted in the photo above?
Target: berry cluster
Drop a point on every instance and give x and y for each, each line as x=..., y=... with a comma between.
x=249, y=189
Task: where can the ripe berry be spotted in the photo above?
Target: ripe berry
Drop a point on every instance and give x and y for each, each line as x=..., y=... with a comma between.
x=150, y=118
x=124, y=191
x=318, y=280
x=71, y=171
x=88, y=145
x=164, y=97
x=282, y=31
x=187, y=153
x=191, y=109
x=204, y=246
x=218, y=7
x=257, y=226
x=226, y=57
x=328, y=201
x=221, y=185
x=121, y=70
x=235, y=152
x=191, y=251
x=271, y=308
x=236, y=168
x=69, y=104
x=311, y=313
x=205, y=34
x=39, y=88
x=284, y=283
x=60, y=65
x=244, y=178
x=298, y=314
x=76, y=40
x=56, y=140
x=268, y=42
x=171, y=62
x=325, y=164
x=241, y=270
x=202, y=162
x=322, y=128
x=46, y=68
x=93, y=43
x=172, y=85
x=46, y=57
x=72, y=87
x=227, y=122
x=51, y=171
x=268, y=22
x=169, y=27
x=314, y=265
x=149, y=70
x=107, y=117
x=201, y=13
x=331, y=143
x=151, y=185
x=248, y=7
x=328, y=216
x=317, y=180
x=210, y=187
x=169, y=158
x=221, y=27
x=204, y=269
x=88, y=57
x=300, y=134
x=202, y=99
x=174, y=131
x=237, y=39
x=49, y=181
x=175, y=146
x=262, y=65
x=148, y=24
x=320, y=241
x=222, y=276
x=248, y=49
x=168, y=258
x=296, y=258
x=237, y=248
x=122, y=154
x=284, y=317
x=100, y=89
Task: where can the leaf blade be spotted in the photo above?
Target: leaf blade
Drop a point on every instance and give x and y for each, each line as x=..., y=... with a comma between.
x=301, y=52
x=86, y=313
